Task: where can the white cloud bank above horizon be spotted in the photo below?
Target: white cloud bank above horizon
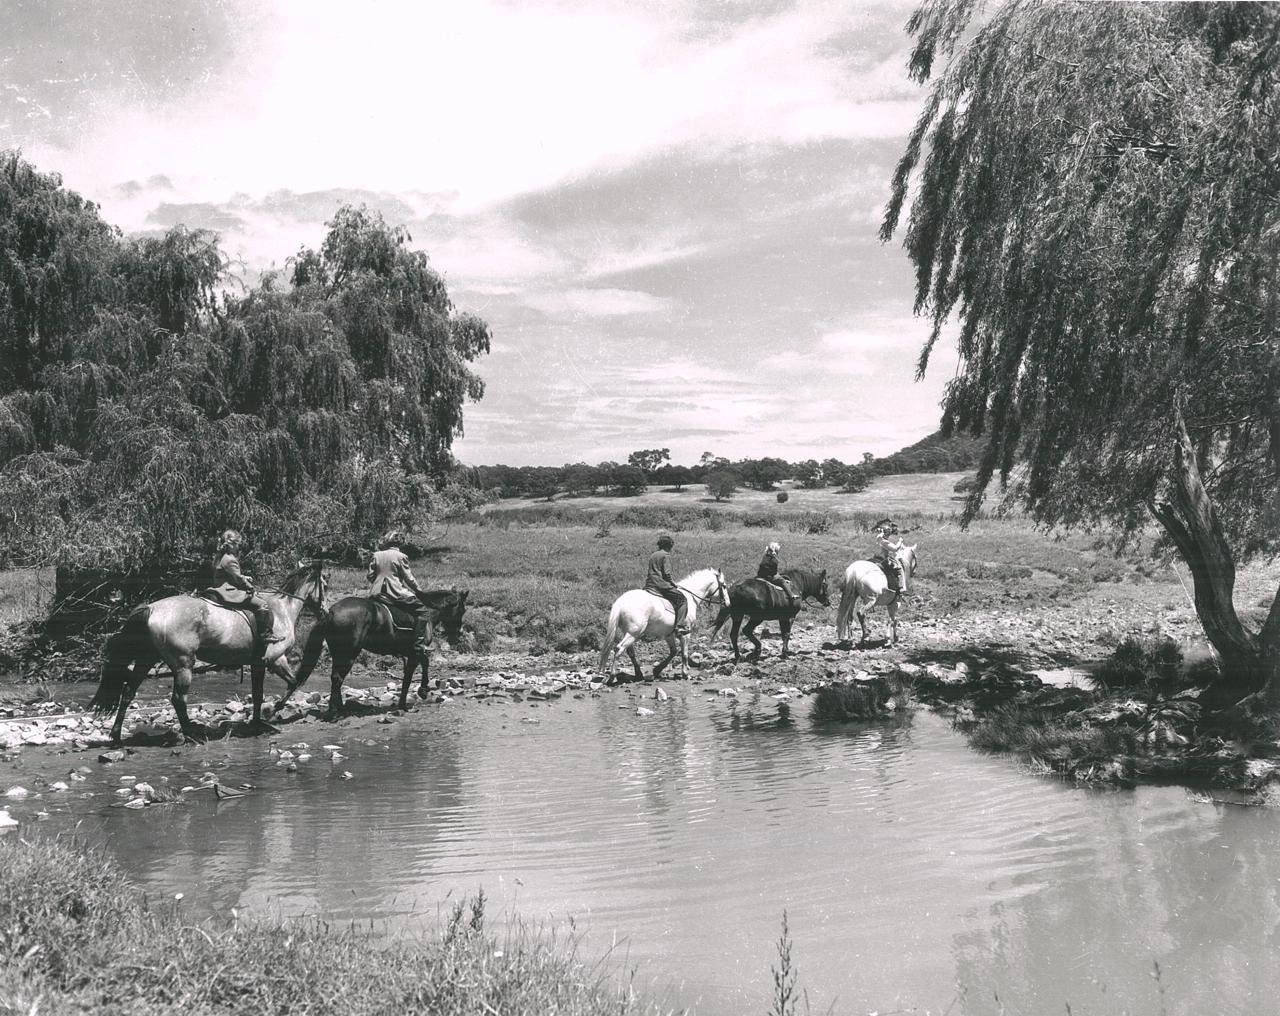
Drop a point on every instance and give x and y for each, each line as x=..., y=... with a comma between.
x=660, y=207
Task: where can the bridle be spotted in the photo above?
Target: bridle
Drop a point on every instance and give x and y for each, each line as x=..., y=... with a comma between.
x=706, y=599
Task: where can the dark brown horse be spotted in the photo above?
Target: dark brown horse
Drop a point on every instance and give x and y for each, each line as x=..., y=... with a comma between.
x=757, y=600
x=358, y=623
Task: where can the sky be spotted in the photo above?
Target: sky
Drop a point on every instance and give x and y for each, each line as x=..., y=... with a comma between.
x=666, y=211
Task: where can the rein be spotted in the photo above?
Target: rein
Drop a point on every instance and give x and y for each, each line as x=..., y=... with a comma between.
x=700, y=599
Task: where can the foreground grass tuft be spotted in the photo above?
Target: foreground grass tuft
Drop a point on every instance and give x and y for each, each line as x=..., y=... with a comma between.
x=77, y=937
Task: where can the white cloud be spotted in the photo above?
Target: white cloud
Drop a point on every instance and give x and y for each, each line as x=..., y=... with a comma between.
x=486, y=99
x=596, y=303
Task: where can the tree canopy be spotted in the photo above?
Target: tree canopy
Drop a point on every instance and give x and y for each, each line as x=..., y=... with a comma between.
x=1094, y=198
x=142, y=408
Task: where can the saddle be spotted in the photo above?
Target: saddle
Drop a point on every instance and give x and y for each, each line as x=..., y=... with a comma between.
x=399, y=618
x=890, y=576
x=215, y=597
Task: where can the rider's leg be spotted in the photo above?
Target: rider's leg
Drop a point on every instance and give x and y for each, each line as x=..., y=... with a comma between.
x=681, y=605
x=263, y=625
x=422, y=634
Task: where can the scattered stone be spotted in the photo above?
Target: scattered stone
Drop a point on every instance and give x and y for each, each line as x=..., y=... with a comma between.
x=17, y=793
x=346, y=775
x=642, y=711
x=115, y=755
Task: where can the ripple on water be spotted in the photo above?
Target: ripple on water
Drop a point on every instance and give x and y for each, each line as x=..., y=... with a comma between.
x=915, y=873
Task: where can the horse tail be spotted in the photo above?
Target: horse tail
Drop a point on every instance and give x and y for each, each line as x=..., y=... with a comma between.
x=720, y=619
x=610, y=636
x=848, y=586
x=311, y=651
x=122, y=649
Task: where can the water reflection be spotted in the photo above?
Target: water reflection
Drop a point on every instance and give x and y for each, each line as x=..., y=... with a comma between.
x=916, y=874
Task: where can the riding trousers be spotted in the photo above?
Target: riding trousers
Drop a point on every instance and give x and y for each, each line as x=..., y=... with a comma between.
x=677, y=600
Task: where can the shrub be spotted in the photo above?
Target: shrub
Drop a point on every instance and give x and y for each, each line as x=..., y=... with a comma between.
x=722, y=483
x=1141, y=665
x=782, y=497
x=860, y=700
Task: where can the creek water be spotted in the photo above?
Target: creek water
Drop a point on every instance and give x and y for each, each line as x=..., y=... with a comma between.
x=916, y=875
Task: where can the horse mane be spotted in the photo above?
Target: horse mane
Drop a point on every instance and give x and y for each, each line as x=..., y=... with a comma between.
x=696, y=578
x=442, y=598
x=298, y=578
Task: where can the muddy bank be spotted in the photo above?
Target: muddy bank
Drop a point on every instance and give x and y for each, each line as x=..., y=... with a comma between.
x=1025, y=703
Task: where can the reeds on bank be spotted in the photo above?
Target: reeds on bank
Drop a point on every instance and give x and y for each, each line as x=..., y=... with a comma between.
x=77, y=937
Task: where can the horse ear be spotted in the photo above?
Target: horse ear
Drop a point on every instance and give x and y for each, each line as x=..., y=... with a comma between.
x=913, y=547
x=462, y=597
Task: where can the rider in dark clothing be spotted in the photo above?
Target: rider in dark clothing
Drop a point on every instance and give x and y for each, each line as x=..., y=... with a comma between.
x=658, y=581
x=768, y=571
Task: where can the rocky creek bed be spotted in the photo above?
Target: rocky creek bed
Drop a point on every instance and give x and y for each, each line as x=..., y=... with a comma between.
x=1049, y=716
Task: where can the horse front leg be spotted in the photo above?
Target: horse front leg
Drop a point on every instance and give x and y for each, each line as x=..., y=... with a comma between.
x=672, y=649
x=423, y=687
x=410, y=665
x=181, y=686
x=341, y=667
x=733, y=636
x=893, y=622
x=784, y=625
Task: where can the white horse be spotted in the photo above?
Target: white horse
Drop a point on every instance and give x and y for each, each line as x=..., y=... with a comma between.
x=647, y=617
x=864, y=586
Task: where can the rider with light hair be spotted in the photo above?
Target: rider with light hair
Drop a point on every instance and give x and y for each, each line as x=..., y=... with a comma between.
x=236, y=588
x=889, y=543
x=768, y=570
x=392, y=581
x=659, y=582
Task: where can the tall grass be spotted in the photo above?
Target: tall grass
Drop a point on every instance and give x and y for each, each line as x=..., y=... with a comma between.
x=76, y=937
x=547, y=582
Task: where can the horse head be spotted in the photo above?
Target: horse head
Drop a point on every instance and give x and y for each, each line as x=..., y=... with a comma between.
x=308, y=582
x=823, y=596
x=722, y=589
x=907, y=558
x=450, y=616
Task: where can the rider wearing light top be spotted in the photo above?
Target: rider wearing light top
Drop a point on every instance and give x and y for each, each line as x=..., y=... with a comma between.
x=392, y=581
x=658, y=581
x=889, y=544
x=236, y=588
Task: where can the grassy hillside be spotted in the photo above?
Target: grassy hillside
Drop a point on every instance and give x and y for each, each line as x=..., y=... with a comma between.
x=925, y=493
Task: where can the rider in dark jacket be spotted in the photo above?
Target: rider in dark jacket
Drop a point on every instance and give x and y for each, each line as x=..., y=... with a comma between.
x=236, y=588
x=658, y=581
x=768, y=570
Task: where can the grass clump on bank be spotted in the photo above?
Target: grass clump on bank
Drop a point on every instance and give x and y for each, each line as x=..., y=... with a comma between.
x=77, y=937
x=854, y=701
x=1061, y=743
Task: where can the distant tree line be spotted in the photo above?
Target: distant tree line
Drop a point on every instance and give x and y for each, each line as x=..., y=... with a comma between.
x=721, y=476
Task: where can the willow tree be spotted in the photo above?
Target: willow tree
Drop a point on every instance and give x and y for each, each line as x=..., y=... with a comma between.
x=1095, y=199
x=142, y=410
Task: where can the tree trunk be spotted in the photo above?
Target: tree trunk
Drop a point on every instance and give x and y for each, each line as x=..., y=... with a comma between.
x=1187, y=515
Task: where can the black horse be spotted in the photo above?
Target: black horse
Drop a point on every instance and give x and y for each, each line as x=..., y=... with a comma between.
x=758, y=600
x=357, y=622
